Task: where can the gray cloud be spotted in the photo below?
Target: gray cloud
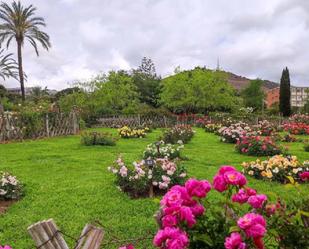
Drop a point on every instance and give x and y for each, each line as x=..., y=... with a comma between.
x=252, y=38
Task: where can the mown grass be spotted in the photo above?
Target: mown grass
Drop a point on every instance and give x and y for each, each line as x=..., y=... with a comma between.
x=70, y=183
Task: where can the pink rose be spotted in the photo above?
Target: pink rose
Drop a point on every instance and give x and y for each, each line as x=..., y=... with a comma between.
x=240, y=197
x=172, y=198
x=198, y=188
x=219, y=183
x=169, y=221
x=234, y=242
x=257, y=201
x=253, y=224
x=304, y=176
x=171, y=238
x=235, y=178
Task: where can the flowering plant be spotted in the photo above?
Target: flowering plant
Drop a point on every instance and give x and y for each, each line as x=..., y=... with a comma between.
x=233, y=132
x=213, y=128
x=258, y=146
x=186, y=223
x=97, y=138
x=178, y=133
x=162, y=150
x=300, y=118
x=141, y=178
x=297, y=128
x=127, y=132
x=10, y=187
x=277, y=168
x=5, y=247
x=201, y=122
x=264, y=128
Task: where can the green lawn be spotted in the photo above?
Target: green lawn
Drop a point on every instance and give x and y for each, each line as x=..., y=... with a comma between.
x=70, y=183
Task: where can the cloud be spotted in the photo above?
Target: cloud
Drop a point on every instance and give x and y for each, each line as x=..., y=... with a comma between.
x=252, y=38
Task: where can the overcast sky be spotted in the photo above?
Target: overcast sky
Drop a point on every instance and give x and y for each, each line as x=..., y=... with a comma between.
x=255, y=38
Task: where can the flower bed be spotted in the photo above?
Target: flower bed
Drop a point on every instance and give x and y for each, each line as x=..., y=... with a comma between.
x=127, y=132
x=300, y=118
x=232, y=133
x=277, y=168
x=213, y=128
x=97, y=138
x=297, y=128
x=258, y=146
x=160, y=174
x=162, y=150
x=178, y=133
x=10, y=187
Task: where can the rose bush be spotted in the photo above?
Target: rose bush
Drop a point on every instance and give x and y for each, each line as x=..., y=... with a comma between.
x=258, y=146
x=10, y=187
x=178, y=133
x=137, y=180
x=277, y=168
x=187, y=220
x=127, y=132
x=296, y=128
x=162, y=150
x=264, y=128
x=230, y=134
x=213, y=128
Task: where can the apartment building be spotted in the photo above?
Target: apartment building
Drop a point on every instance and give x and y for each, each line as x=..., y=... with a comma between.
x=299, y=96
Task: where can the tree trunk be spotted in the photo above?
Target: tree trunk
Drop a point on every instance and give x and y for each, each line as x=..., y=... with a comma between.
x=20, y=70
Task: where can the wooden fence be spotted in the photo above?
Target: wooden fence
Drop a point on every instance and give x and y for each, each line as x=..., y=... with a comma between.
x=137, y=120
x=14, y=126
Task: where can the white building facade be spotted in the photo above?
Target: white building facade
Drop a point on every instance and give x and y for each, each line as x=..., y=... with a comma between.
x=299, y=96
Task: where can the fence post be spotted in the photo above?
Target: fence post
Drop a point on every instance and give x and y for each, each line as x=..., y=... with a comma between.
x=47, y=124
x=139, y=120
x=75, y=123
x=165, y=123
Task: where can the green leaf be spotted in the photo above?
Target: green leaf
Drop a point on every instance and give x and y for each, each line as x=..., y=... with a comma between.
x=234, y=229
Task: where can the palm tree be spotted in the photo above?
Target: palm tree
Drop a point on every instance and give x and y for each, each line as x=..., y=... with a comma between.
x=20, y=22
x=8, y=66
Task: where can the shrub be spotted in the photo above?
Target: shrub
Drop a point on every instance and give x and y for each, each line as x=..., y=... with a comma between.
x=234, y=132
x=187, y=220
x=213, y=128
x=97, y=138
x=264, y=128
x=127, y=132
x=258, y=146
x=137, y=181
x=178, y=133
x=10, y=187
x=277, y=168
x=162, y=150
x=297, y=128
x=201, y=122
x=299, y=118
x=288, y=138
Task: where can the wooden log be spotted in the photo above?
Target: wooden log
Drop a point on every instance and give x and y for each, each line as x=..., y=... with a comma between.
x=90, y=238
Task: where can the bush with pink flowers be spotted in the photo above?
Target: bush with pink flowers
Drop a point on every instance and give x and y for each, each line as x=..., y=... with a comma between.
x=265, y=128
x=296, y=128
x=188, y=220
x=156, y=175
x=258, y=146
x=232, y=133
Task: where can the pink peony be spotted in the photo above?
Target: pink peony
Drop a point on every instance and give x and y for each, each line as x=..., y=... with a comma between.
x=172, y=238
x=240, y=197
x=253, y=224
x=186, y=215
x=257, y=201
x=234, y=242
x=197, y=209
x=219, y=183
x=172, y=198
x=235, y=178
x=5, y=247
x=169, y=221
x=304, y=176
x=225, y=168
x=198, y=188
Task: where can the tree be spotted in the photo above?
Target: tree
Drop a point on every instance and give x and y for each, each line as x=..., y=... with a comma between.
x=20, y=23
x=8, y=66
x=37, y=94
x=254, y=95
x=198, y=90
x=285, y=93
x=147, y=82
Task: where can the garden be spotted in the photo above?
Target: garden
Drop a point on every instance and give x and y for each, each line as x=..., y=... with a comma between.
x=211, y=184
